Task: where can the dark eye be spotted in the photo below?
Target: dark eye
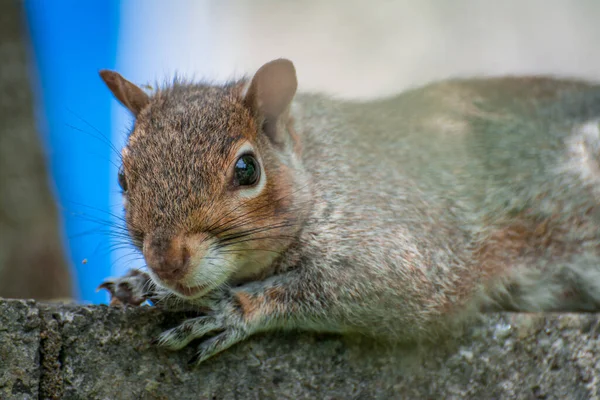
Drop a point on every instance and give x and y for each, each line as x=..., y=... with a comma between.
x=247, y=171
x=122, y=180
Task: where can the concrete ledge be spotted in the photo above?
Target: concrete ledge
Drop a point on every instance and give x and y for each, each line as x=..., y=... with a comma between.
x=80, y=352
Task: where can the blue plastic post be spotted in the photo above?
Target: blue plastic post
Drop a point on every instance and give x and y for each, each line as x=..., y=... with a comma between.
x=71, y=41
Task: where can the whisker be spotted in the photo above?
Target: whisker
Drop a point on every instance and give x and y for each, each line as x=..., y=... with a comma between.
x=117, y=216
x=251, y=239
x=234, y=251
x=102, y=137
x=251, y=231
x=216, y=226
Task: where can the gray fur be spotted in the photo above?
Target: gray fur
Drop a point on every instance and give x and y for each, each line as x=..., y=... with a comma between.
x=416, y=210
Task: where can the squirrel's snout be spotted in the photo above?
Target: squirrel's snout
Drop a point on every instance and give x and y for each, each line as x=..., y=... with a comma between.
x=168, y=257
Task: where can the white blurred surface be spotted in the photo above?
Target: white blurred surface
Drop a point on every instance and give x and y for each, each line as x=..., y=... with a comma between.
x=359, y=48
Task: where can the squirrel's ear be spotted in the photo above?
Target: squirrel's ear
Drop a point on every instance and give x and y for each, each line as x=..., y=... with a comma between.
x=270, y=93
x=131, y=96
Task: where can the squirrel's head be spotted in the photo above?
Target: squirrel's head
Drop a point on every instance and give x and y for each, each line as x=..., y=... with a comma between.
x=214, y=192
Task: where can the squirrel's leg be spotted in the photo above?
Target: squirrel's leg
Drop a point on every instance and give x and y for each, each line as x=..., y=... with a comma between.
x=283, y=301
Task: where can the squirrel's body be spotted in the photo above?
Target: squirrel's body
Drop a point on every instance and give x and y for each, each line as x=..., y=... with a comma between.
x=392, y=218
x=449, y=194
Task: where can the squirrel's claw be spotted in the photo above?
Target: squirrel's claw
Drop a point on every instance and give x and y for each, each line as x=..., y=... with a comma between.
x=178, y=337
x=130, y=289
x=222, y=318
x=217, y=344
x=108, y=285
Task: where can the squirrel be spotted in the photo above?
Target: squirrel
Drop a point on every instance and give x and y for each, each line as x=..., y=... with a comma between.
x=396, y=218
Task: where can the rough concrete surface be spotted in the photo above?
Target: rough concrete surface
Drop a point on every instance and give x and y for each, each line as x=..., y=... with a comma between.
x=20, y=332
x=96, y=352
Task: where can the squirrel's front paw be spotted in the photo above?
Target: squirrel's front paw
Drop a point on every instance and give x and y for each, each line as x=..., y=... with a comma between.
x=224, y=318
x=133, y=288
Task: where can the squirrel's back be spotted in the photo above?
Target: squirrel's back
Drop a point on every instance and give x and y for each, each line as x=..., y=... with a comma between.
x=498, y=177
x=495, y=132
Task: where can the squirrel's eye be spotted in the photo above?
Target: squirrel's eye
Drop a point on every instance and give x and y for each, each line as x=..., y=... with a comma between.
x=247, y=171
x=122, y=180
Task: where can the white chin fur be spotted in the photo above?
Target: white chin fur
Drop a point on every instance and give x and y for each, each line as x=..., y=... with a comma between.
x=210, y=271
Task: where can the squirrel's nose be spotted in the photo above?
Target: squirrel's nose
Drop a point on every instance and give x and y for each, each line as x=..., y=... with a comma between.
x=167, y=257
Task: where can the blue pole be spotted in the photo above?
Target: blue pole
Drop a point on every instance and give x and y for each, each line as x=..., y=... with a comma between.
x=71, y=40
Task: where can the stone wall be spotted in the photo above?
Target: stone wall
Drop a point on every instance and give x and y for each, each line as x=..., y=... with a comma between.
x=96, y=352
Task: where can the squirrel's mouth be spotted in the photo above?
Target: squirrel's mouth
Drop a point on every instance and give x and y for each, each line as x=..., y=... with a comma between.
x=189, y=291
